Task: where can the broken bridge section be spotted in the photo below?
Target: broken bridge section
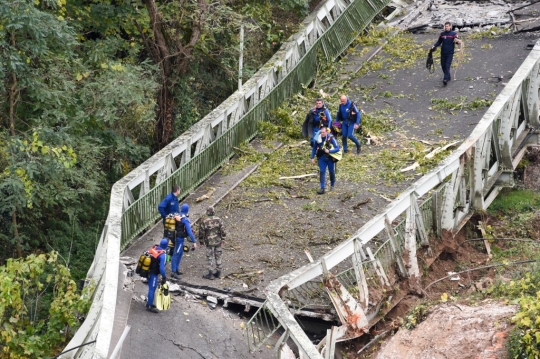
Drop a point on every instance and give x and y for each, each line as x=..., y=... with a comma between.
x=468, y=15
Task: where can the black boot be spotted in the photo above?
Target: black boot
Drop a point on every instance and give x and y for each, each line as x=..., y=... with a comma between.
x=358, y=149
x=210, y=275
x=217, y=274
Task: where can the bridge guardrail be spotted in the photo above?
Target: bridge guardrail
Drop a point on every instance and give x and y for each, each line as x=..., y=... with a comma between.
x=196, y=154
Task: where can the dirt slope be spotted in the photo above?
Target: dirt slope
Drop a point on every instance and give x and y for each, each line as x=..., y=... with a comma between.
x=454, y=331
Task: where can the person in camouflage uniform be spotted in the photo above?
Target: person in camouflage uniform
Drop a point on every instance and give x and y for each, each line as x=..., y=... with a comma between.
x=212, y=234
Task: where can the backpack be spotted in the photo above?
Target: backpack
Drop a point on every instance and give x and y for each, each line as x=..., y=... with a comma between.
x=353, y=104
x=170, y=227
x=328, y=145
x=148, y=262
x=181, y=231
x=170, y=222
x=336, y=125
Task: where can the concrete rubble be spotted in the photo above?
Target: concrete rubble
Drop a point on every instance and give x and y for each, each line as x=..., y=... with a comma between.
x=465, y=15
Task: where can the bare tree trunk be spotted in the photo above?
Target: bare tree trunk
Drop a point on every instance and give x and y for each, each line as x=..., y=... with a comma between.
x=173, y=59
x=12, y=95
x=16, y=233
x=162, y=58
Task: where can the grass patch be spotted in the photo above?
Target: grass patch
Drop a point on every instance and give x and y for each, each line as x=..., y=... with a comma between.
x=515, y=201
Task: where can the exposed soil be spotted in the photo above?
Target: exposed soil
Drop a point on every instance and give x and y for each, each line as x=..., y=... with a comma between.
x=454, y=331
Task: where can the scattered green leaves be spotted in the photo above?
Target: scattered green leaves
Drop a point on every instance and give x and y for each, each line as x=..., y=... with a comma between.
x=415, y=316
x=459, y=103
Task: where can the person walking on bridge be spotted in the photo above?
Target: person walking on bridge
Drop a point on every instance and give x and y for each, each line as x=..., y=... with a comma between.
x=317, y=117
x=350, y=119
x=212, y=235
x=183, y=230
x=447, y=40
x=325, y=145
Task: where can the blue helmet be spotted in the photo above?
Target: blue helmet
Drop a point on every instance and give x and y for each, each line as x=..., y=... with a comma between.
x=185, y=208
x=164, y=244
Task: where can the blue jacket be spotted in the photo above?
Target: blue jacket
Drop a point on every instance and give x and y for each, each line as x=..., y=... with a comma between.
x=316, y=116
x=162, y=258
x=320, y=145
x=168, y=205
x=186, y=222
x=446, y=39
x=344, y=113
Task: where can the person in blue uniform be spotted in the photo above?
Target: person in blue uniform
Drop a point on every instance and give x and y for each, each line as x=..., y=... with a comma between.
x=324, y=146
x=157, y=267
x=170, y=203
x=349, y=117
x=317, y=117
x=183, y=230
x=447, y=41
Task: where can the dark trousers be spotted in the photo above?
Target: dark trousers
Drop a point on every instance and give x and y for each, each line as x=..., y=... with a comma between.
x=325, y=162
x=446, y=62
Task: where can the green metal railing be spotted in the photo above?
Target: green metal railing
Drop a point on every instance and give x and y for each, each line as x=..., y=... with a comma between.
x=261, y=327
x=143, y=212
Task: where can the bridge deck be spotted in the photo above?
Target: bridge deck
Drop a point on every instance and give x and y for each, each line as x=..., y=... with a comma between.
x=269, y=228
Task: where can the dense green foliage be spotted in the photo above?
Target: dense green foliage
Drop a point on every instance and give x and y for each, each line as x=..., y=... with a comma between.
x=39, y=306
x=525, y=291
x=68, y=123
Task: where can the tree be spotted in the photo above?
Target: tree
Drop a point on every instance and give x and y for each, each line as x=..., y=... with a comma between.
x=179, y=29
x=39, y=306
x=68, y=118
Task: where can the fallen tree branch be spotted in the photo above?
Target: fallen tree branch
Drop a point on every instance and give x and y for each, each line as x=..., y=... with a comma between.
x=440, y=149
x=410, y=168
x=374, y=340
x=245, y=274
x=241, y=150
x=298, y=144
x=480, y=268
x=513, y=21
x=361, y=203
x=299, y=176
x=503, y=239
x=252, y=201
x=521, y=7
